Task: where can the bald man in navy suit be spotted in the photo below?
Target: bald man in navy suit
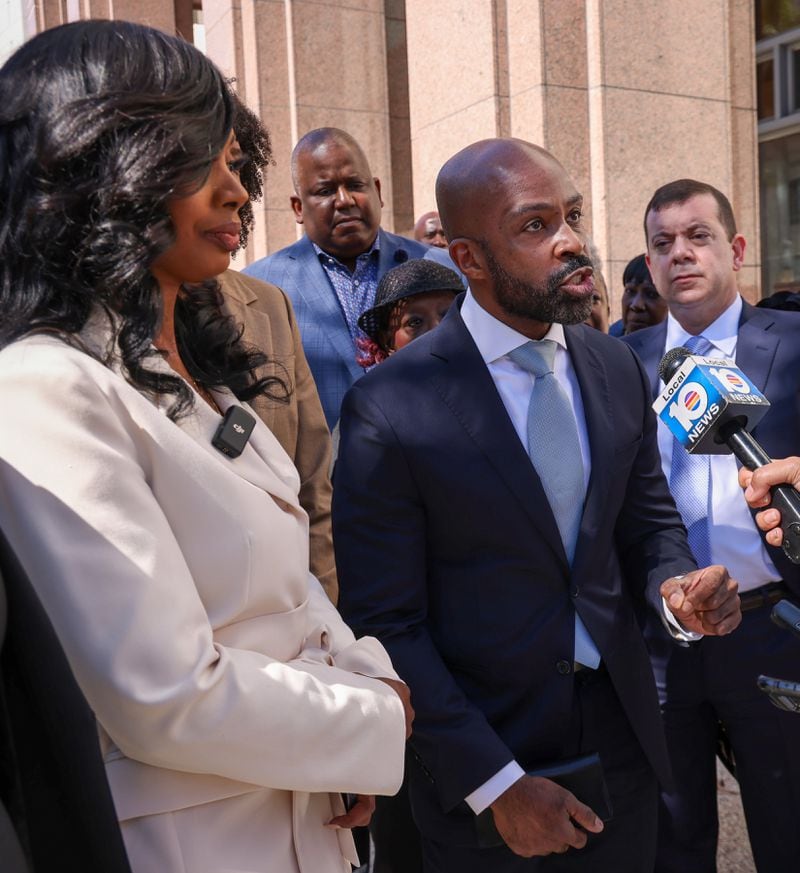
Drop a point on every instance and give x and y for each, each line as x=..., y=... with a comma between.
x=506, y=588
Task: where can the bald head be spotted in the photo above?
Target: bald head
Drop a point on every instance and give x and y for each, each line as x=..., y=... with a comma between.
x=476, y=173
x=318, y=140
x=336, y=197
x=515, y=224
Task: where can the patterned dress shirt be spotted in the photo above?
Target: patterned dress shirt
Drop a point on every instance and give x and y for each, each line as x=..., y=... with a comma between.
x=355, y=291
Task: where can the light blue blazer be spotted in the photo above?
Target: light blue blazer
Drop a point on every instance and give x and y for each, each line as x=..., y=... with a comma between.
x=326, y=340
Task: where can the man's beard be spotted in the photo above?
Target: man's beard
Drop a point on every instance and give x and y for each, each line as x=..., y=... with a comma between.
x=547, y=303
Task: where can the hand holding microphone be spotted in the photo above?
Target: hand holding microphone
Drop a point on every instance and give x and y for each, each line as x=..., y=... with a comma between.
x=757, y=485
x=710, y=405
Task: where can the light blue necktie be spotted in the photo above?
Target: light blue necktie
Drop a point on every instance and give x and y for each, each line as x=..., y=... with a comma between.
x=690, y=481
x=555, y=451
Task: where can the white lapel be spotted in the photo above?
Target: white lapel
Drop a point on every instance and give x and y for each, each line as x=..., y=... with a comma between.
x=263, y=463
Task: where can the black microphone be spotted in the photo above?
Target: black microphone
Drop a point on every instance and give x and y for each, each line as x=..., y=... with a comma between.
x=708, y=404
x=782, y=692
x=233, y=432
x=785, y=614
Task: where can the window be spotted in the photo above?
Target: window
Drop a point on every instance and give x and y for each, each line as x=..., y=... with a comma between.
x=778, y=110
x=765, y=88
x=779, y=178
x=776, y=16
x=778, y=81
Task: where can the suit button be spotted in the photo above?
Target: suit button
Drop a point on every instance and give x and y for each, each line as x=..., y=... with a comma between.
x=563, y=667
x=575, y=591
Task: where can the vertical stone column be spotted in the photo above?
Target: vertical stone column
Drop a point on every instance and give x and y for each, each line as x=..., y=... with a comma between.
x=250, y=40
x=457, y=83
x=627, y=94
x=399, y=123
x=667, y=101
x=50, y=13
x=301, y=65
x=548, y=84
x=340, y=77
x=507, y=68
x=744, y=190
x=155, y=13
x=497, y=68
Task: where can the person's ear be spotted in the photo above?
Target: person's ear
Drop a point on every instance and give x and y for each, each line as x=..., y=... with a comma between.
x=297, y=208
x=468, y=256
x=377, y=182
x=738, y=246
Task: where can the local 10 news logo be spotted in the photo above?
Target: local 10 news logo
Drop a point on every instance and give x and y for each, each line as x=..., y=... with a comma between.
x=700, y=394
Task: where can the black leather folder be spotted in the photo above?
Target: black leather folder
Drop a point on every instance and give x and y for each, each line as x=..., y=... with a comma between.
x=583, y=776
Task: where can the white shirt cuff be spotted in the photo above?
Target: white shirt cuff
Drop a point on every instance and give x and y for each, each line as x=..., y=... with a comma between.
x=486, y=794
x=676, y=628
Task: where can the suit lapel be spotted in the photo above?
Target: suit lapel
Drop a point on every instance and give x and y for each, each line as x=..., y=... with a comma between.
x=598, y=412
x=390, y=254
x=263, y=463
x=756, y=349
x=467, y=389
x=317, y=293
x=651, y=350
x=756, y=346
x=257, y=332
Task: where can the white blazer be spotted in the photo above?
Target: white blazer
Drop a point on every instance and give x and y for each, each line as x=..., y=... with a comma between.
x=177, y=581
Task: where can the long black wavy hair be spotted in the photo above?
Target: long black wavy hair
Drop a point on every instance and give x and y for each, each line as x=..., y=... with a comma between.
x=102, y=123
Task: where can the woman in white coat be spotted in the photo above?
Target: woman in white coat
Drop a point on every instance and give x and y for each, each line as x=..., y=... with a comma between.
x=233, y=704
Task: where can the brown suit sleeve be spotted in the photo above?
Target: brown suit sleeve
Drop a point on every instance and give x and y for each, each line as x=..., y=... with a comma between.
x=313, y=458
x=266, y=315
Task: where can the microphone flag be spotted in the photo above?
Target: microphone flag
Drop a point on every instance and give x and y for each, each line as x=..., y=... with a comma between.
x=703, y=397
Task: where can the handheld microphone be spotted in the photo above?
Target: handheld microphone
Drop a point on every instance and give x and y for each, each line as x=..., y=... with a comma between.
x=782, y=692
x=709, y=405
x=786, y=615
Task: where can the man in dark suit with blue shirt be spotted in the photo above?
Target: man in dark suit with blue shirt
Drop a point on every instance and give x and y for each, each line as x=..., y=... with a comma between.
x=331, y=274
x=499, y=513
x=694, y=253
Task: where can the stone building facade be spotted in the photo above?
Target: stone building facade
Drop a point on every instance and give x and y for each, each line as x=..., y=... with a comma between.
x=628, y=94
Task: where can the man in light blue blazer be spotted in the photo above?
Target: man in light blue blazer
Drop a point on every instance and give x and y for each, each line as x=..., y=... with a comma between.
x=331, y=274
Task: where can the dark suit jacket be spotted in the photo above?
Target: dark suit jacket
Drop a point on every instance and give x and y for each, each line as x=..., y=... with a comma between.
x=52, y=778
x=448, y=552
x=768, y=352
x=326, y=339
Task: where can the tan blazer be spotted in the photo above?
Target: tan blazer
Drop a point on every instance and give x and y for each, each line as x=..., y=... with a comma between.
x=267, y=318
x=177, y=582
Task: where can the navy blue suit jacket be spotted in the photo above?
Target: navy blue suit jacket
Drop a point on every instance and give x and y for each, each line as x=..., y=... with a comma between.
x=448, y=552
x=768, y=352
x=326, y=339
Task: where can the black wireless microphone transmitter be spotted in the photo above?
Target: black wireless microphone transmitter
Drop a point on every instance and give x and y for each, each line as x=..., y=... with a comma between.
x=233, y=432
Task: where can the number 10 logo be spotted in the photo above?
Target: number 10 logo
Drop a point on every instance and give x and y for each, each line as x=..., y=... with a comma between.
x=689, y=405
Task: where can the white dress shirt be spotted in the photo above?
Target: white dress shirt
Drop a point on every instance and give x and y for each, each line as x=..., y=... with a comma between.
x=735, y=541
